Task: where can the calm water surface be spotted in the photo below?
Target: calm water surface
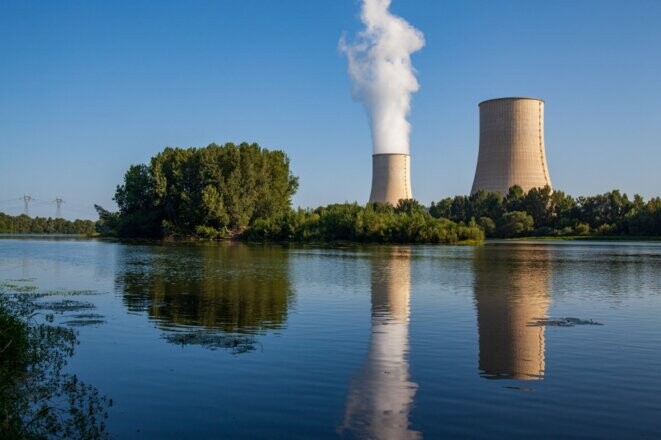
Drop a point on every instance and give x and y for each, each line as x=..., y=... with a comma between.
x=237, y=341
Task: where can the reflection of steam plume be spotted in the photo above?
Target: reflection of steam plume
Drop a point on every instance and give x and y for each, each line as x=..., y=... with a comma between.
x=381, y=396
x=511, y=290
x=381, y=71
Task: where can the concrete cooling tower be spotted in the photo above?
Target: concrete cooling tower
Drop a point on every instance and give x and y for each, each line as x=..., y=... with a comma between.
x=391, y=178
x=512, y=148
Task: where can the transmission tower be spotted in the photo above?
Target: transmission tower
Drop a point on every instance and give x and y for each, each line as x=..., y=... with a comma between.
x=58, y=202
x=26, y=203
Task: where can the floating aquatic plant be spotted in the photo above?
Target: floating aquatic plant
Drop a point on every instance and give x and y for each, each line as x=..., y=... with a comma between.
x=561, y=322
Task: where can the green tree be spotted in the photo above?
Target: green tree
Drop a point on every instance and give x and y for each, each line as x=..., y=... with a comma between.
x=487, y=225
x=442, y=209
x=411, y=206
x=537, y=203
x=515, y=224
x=484, y=204
x=513, y=201
x=210, y=192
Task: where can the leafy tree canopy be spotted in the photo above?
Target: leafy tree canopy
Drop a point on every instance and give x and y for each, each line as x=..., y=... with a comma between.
x=211, y=192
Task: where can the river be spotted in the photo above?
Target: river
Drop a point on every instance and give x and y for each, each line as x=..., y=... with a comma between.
x=508, y=339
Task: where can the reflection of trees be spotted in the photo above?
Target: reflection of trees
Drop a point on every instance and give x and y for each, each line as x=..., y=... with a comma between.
x=381, y=396
x=511, y=290
x=38, y=398
x=228, y=287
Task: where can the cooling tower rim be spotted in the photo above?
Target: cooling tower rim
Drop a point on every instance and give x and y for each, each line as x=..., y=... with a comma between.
x=512, y=98
x=391, y=154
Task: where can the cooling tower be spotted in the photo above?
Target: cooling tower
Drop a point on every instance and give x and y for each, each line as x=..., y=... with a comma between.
x=512, y=148
x=391, y=178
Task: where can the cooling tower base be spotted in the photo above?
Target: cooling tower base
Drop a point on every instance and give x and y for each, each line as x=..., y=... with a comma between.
x=391, y=178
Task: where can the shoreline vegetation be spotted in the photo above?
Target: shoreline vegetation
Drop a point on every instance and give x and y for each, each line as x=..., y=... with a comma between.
x=243, y=192
x=38, y=398
x=591, y=238
x=24, y=224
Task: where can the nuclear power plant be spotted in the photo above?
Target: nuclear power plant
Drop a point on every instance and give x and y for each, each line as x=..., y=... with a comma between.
x=512, y=148
x=391, y=178
x=512, y=152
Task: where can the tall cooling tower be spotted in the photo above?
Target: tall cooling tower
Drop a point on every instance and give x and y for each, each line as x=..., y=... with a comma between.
x=391, y=178
x=512, y=148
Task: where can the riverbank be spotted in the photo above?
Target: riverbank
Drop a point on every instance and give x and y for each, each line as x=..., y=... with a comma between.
x=318, y=243
x=642, y=238
x=48, y=235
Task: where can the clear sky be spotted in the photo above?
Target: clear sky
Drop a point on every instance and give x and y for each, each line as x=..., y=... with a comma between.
x=88, y=88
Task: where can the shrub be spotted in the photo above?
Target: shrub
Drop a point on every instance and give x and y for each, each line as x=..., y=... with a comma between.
x=515, y=224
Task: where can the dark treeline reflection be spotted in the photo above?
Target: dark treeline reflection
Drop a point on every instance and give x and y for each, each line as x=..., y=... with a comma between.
x=381, y=396
x=230, y=288
x=511, y=293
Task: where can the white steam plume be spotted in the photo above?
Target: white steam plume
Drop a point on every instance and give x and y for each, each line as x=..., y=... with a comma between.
x=382, y=74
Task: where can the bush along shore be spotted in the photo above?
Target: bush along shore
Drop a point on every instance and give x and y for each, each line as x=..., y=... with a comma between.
x=244, y=192
x=38, y=399
x=408, y=222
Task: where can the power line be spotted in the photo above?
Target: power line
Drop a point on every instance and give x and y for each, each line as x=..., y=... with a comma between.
x=29, y=202
x=11, y=208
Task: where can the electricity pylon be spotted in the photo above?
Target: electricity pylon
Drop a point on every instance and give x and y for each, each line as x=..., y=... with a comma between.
x=26, y=203
x=58, y=212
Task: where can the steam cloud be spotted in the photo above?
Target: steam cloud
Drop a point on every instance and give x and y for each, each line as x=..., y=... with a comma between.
x=382, y=74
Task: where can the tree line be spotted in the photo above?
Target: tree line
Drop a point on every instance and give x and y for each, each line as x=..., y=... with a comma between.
x=244, y=191
x=23, y=224
x=408, y=222
x=543, y=212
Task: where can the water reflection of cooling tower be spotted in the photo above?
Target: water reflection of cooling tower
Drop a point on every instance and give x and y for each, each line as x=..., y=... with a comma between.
x=511, y=291
x=381, y=396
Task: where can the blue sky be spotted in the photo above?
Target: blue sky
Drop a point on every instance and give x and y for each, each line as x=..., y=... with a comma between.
x=89, y=87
